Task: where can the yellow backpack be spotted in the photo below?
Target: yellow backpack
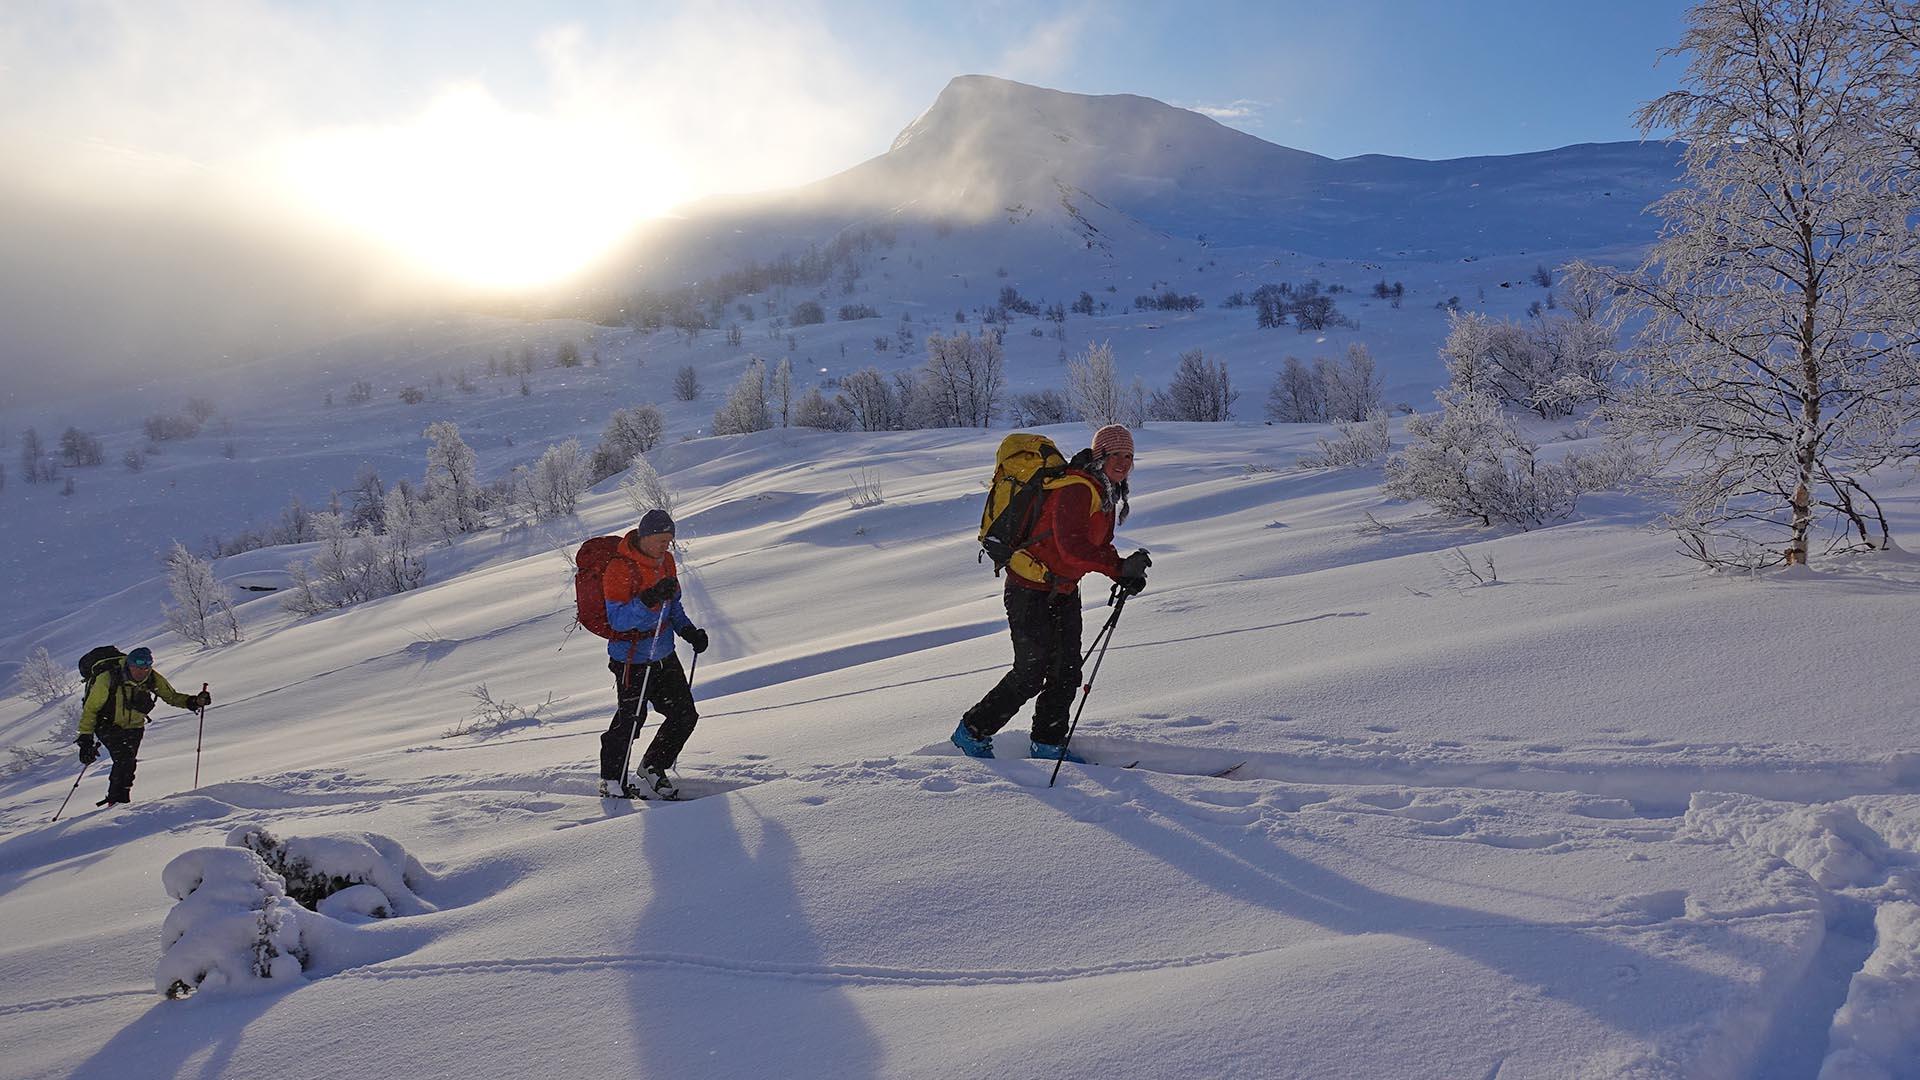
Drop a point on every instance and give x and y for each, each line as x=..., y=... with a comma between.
x=1024, y=467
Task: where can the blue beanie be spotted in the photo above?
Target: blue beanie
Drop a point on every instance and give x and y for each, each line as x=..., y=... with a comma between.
x=140, y=657
x=655, y=521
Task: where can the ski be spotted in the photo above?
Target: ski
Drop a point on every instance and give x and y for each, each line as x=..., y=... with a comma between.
x=1227, y=770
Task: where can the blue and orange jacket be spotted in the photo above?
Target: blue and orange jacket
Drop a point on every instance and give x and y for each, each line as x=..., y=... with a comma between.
x=625, y=578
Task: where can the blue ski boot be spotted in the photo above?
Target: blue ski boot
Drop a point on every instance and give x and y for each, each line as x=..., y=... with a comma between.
x=970, y=744
x=1050, y=752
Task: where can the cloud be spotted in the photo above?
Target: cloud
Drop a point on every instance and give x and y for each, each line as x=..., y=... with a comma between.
x=263, y=128
x=1242, y=112
x=1044, y=51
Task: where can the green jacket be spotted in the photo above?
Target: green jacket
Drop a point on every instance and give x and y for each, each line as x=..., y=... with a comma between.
x=130, y=701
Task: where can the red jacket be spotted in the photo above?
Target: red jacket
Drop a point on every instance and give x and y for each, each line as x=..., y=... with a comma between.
x=1073, y=538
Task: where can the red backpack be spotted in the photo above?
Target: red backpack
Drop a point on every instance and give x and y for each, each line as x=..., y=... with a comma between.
x=589, y=596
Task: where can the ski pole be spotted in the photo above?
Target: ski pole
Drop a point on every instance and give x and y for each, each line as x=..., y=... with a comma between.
x=1105, y=637
x=639, y=721
x=198, y=736
x=70, y=791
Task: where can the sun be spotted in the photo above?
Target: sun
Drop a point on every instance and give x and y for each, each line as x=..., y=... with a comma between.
x=479, y=195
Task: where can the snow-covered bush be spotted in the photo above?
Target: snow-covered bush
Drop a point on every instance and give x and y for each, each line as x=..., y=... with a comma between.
x=630, y=433
x=1330, y=391
x=452, y=482
x=646, y=489
x=1468, y=461
x=552, y=487
x=45, y=681
x=233, y=928
x=1199, y=391
x=1356, y=446
x=1549, y=368
x=313, y=868
x=814, y=410
x=1094, y=390
x=1047, y=406
x=746, y=406
x=353, y=567
x=201, y=611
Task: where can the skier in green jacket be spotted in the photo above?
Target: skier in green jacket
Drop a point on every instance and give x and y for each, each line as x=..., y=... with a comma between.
x=121, y=691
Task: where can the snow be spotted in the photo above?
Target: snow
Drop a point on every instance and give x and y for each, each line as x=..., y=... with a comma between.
x=1477, y=829
x=1608, y=816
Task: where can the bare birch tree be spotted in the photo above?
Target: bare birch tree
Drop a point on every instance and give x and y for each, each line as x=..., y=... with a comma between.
x=1776, y=365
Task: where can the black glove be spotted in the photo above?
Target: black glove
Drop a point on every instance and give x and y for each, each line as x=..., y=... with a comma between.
x=89, y=750
x=202, y=699
x=695, y=637
x=664, y=591
x=1132, y=575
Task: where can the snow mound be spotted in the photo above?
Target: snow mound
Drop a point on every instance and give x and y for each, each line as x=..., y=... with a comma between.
x=253, y=913
x=1828, y=841
x=234, y=927
x=1876, y=1034
x=359, y=872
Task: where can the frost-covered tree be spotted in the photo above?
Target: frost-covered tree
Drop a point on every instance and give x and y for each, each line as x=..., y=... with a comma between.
x=1093, y=388
x=400, y=568
x=962, y=379
x=34, y=466
x=1199, y=391
x=1775, y=366
x=780, y=392
x=552, y=487
x=870, y=401
x=1349, y=391
x=629, y=433
x=201, y=611
x=1047, y=406
x=1296, y=398
x=746, y=408
x=815, y=410
x=645, y=489
x=686, y=384
x=452, y=481
x=1549, y=367
x=44, y=680
x=1468, y=461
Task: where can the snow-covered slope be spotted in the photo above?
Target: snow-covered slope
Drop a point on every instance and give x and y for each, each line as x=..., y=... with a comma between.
x=1607, y=817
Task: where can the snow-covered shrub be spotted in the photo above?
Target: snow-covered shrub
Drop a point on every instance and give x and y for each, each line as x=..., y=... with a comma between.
x=452, y=482
x=490, y=714
x=45, y=681
x=233, y=928
x=1550, y=368
x=746, y=409
x=1199, y=391
x=552, y=487
x=1468, y=461
x=629, y=433
x=814, y=410
x=353, y=567
x=1093, y=389
x=1356, y=446
x=201, y=611
x=313, y=868
x=645, y=489
x=1047, y=406
x=686, y=383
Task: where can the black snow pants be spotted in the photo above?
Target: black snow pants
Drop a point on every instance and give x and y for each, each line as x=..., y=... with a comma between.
x=667, y=691
x=123, y=746
x=1046, y=664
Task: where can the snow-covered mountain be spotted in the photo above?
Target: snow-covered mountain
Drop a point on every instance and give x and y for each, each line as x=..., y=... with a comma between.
x=1121, y=176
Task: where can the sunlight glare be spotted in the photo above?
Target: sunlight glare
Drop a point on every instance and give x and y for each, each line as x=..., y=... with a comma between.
x=482, y=195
